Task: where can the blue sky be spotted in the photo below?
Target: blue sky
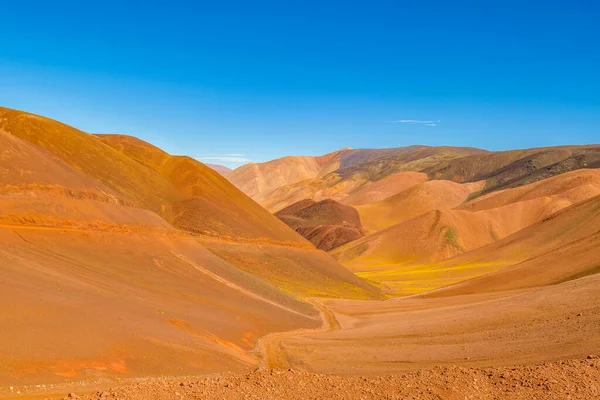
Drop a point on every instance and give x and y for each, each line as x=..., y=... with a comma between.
x=230, y=81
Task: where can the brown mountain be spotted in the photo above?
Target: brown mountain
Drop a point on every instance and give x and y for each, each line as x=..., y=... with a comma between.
x=509, y=169
x=327, y=224
x=359, y=177
x=279, y=183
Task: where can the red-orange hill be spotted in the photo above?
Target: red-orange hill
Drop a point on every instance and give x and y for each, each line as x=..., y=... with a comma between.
x=560, y=248
x=118, y=258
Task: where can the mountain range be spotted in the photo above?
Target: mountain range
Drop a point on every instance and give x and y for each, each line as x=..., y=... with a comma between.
x=119, y=260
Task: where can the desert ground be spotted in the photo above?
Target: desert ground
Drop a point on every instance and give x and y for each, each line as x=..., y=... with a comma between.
x=409, y=273
x=494, y=346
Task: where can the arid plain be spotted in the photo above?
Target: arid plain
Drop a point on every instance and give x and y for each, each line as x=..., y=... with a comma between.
x=408, y=273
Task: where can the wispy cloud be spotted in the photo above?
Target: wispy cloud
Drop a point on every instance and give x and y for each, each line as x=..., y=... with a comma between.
x=418, y=122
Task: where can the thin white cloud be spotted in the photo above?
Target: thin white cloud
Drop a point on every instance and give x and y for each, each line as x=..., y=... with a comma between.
x=226, y=158
x=418, y=122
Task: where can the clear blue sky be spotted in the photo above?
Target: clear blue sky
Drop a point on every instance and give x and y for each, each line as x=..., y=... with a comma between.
x=272, y=78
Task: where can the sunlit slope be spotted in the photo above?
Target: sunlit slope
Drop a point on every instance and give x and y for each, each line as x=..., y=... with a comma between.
x=177, y=188
x=433, y=236
x=470, y=225
x=364, y=176
x=560, y=248
x=514, y=168
x=206, y=203
x=95, y=282
x=414, y=201
x=84, y=152
x=373, y=192
x=259, y=179
x=211, y=205
x=295, y=271
x=571, y=187
x=376, y=164
x=40, y=189
x=331, y=186
x=23, y=163
x=413, y=256
x=279, y=183
x=77, y=304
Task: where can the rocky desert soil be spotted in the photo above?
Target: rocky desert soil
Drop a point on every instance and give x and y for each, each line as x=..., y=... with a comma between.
x=285, y=374
x=573, y=379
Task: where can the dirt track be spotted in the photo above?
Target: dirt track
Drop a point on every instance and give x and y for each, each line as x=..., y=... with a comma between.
x=269, y=350
x=287, y=360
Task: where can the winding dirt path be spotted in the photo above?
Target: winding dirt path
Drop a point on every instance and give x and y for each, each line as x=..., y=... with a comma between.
x=269, y=350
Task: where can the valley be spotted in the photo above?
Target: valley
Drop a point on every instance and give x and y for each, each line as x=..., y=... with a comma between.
x=128, y=272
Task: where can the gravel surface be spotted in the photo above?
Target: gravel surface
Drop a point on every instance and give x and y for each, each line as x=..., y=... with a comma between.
x=573, y=379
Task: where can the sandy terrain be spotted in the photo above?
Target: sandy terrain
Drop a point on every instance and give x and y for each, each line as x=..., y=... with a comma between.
x=489, y=346
x=571, y=379
x=130, y=273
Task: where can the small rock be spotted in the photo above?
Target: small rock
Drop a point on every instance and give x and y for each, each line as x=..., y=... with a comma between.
x=579, y=315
